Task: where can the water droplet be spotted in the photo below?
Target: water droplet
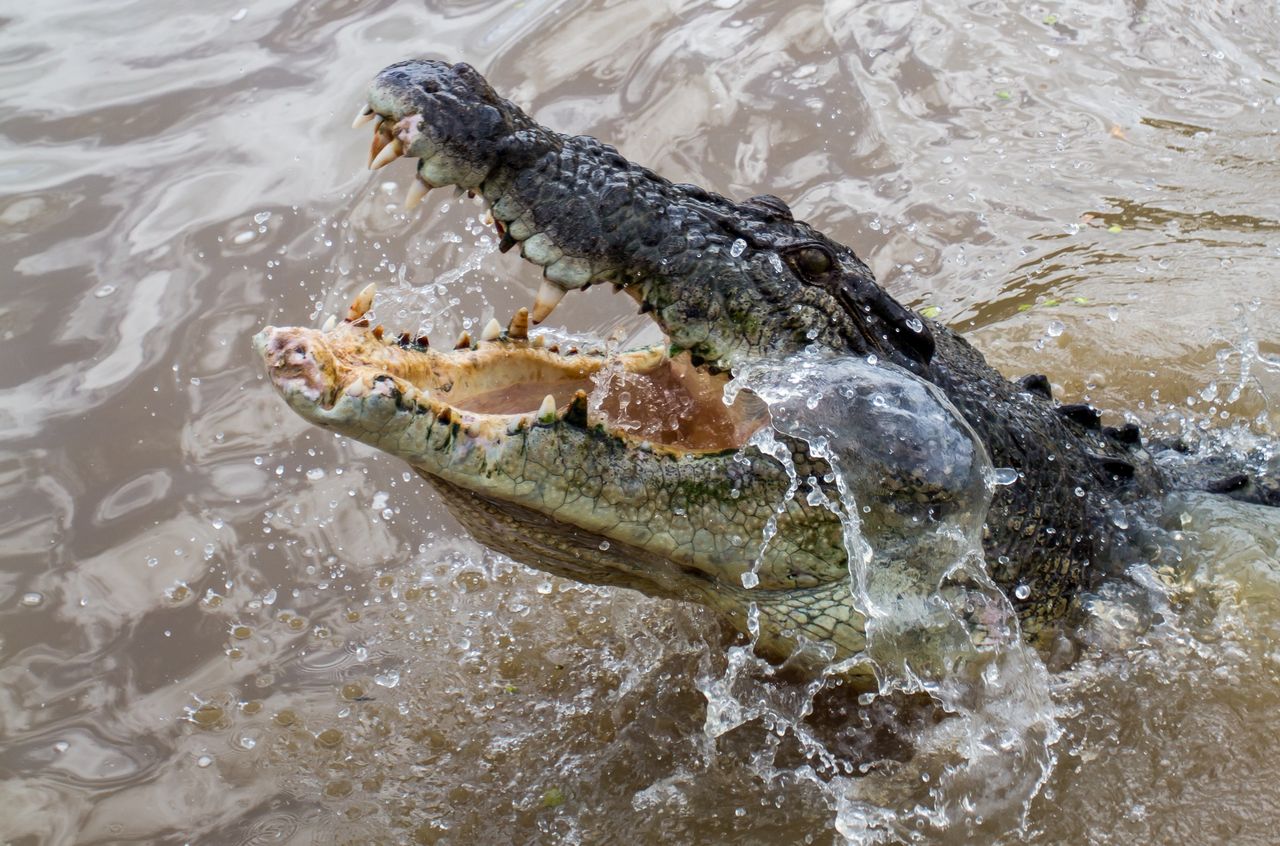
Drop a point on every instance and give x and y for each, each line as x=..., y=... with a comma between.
x=315, y=474
x=263, y=216
x=604, y=546
x=204, y=761
x=244, y=237
x=739, y=247
x=750, y=580
x=239, y=15
x=1055, y=328
x=1004, y=476
x=32, y=599
x=105, y=291
x=391, y=678
x=1022, y=591
x=61, y=746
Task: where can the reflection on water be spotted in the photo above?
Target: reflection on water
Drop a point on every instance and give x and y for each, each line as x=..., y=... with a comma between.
x=219, y=625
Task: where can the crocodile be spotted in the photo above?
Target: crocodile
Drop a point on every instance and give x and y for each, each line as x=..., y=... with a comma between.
x=635, y=469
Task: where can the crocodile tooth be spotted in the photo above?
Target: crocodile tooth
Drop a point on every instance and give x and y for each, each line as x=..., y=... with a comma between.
x=362, y=303
x=538, y=342
x=506, y=243
x=380, y=141
x=417, y=190
x=377, y=331
x=387, y=155
x=329, y=322
x=492, y=330
x=362, y=117
x=570, y=272
x=549, y=296
x=464, y=341
x=423, y=341
x=518, y=329
x=547, y=411
x=540, y=249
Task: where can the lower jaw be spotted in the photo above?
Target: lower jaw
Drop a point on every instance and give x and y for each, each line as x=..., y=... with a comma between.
x=507, y=380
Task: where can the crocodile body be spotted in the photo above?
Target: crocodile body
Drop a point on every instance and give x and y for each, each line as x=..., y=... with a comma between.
x=686, y=510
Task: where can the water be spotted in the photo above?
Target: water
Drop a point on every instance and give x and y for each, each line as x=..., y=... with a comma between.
x=1087, y=192
x=936, y=625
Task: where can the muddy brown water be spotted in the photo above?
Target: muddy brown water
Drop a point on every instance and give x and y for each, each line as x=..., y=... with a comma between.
x=218, y=625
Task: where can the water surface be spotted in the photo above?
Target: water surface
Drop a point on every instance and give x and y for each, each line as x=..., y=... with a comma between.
x=218, y=625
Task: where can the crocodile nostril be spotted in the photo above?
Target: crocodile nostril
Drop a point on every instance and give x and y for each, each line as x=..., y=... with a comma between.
x=297, y=353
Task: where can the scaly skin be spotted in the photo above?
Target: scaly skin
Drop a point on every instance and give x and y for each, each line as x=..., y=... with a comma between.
x=564, y=490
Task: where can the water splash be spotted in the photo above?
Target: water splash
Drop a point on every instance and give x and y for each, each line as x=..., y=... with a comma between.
x=936, y=623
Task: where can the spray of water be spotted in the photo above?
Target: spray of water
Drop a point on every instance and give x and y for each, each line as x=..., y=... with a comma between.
x=937, y=626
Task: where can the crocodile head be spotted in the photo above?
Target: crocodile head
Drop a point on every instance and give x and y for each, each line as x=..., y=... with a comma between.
x=629, y=468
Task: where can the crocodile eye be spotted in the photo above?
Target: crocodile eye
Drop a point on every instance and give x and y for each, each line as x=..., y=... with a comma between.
x=813, y=262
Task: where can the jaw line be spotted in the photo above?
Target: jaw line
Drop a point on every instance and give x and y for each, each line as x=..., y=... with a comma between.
x=326, y=375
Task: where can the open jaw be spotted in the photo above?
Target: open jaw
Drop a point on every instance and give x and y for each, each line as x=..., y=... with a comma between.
x=618, y=468
x=506, y=381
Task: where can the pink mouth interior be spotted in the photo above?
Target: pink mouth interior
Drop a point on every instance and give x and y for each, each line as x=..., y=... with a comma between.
x=672, y=404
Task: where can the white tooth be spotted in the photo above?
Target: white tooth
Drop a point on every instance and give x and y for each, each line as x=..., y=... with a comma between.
x=540, y=249
x=387, y=154
x=492, y=330
x=362, y=117
x=538, y=342
x=362, y=303
x=329, y=322
x=518, y=329
x=486, y=217
x=463, y=342
x=547, y=411
x=417, y=190
x=549, y=296
x=570, y=272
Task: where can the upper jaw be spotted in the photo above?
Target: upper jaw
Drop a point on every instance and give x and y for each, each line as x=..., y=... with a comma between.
x=462, y=133
x=583, y=213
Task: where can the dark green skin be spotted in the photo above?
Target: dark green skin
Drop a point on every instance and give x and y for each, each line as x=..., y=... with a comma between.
x=670, y=246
